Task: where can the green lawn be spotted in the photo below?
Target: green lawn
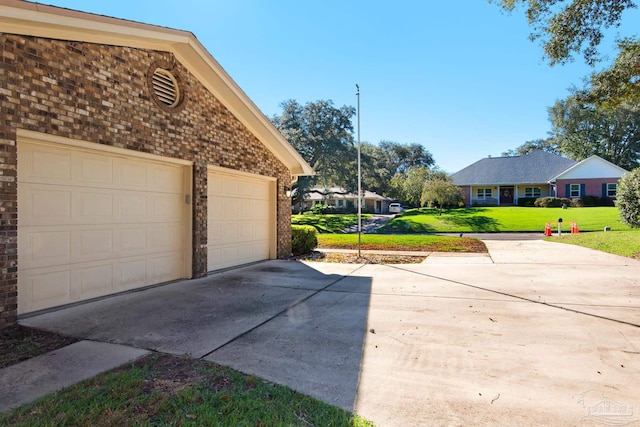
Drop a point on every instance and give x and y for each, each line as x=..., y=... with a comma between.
x=503, y=219
x=162, y=389
x=327, y=223
x=625, y=243
x=403, y=242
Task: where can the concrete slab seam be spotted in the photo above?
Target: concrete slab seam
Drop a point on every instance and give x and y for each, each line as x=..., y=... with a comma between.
x=314, y=293
x=517, y=297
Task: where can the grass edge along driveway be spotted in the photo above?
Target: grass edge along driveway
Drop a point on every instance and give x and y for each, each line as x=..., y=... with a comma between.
x=162, y=389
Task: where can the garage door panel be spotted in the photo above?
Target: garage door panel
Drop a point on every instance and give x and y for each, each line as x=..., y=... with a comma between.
x=92, y=223
x=93, y=207
x=165, y=179
x=94, y=243
x=94, y=169
x=44, y=248
x=240, y=220
x=43, y=205
x=94, y=281
x=46, y=288
x=46, y=165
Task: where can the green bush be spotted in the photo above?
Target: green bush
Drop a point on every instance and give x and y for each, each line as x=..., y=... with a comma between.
x=552, y=202
x=526, y=202
x=303, y=239
x=628, y=198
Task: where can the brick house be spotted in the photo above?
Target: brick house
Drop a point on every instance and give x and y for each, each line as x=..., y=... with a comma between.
x=129, y=157
x=593, y=176
x=501, y=181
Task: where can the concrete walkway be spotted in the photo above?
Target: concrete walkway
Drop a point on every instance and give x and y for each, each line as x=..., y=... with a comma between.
x=539, y=333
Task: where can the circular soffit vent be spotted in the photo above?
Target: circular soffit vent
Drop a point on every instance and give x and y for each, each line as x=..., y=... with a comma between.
x=165, y=87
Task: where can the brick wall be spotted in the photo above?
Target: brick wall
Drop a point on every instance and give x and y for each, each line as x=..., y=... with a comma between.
x=100, y=94
x=592, y=186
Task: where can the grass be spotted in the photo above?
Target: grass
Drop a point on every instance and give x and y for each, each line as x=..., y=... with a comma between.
x=503, y=219
x=161, y=389
x=401, y=242
x=625, y=243
x=327, y=223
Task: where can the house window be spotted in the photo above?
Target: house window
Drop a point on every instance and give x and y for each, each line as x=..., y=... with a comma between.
x=532, y=192
x=612, y=190
x=574, y=190
x=340, y=203
x=484, y=193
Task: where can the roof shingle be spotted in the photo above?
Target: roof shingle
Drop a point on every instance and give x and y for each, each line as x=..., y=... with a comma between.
x=536, y=167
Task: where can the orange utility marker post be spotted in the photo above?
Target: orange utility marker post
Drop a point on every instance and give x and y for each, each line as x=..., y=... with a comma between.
x=574, y=228
x=547, y=230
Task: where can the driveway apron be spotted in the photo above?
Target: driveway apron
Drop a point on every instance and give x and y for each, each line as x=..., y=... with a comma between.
x=543, y=334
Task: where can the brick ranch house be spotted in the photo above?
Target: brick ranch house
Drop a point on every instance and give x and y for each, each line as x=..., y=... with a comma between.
x=501, y=181
x=342, y=199
x=129, y=157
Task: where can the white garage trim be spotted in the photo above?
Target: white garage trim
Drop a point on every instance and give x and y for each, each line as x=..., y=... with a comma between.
x=42, y=138
x=95, y=220
x=241, y=223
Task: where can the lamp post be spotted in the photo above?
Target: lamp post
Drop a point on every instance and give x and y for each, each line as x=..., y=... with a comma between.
x=359, y=175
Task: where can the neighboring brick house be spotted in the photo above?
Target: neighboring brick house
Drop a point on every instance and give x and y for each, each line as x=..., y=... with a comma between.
x=593, y=176
x=501, y=181
x=129, y=157
x=342, y=199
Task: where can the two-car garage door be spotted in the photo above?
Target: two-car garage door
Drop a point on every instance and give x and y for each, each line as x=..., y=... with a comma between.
x=94, y=222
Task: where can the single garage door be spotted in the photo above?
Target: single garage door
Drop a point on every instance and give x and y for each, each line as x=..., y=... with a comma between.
x=94, y=222
x=241, y=218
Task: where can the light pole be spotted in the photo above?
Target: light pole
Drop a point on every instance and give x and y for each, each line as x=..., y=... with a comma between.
x=359, y=174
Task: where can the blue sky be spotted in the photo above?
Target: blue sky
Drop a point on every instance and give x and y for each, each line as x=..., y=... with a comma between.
x=459, y=77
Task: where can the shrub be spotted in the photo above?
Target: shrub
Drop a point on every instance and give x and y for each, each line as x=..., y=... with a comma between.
x=552, y=202
x=526, y=202
x=578, y=202
x=628, y=198
x=303, y=239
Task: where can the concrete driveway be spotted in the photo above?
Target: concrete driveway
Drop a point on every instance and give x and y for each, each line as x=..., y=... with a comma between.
x=536, y=333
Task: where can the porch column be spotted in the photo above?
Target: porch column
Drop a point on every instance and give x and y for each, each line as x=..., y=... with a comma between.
x=498, y=195
x=515, y=195
x=471, y=195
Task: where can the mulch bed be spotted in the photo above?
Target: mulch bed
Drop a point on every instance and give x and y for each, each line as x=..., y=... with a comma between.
x=18, y=343
x=366, y=259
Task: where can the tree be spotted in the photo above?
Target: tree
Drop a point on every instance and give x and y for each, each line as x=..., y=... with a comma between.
x=322, y=134
x=581, y=129
x=408, y=186
x=628, y=198
x=441, y=192
x=620, y=83
x=380, y=162
x=549, y=145
x=567, y=27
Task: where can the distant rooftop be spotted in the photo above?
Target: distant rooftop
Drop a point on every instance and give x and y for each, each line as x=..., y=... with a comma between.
x=534, y=168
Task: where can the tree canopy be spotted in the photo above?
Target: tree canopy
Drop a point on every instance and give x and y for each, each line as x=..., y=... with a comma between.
x=568, y=27
x=322, y=134
x=581, y=129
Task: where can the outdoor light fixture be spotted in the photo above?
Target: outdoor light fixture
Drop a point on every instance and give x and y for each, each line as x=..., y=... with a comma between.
x=287, y=191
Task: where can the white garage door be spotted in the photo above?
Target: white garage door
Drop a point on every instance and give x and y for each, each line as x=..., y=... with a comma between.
x=241, y=219
x=92, y=223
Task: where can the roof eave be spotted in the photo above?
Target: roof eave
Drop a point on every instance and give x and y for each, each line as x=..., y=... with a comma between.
x=33, y=19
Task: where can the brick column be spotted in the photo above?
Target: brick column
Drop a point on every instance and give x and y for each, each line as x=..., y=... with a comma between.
x=8, y=227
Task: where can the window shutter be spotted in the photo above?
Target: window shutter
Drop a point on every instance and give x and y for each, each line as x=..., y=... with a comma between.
x=582, y=190
x=604, y=189
x=567, y=190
